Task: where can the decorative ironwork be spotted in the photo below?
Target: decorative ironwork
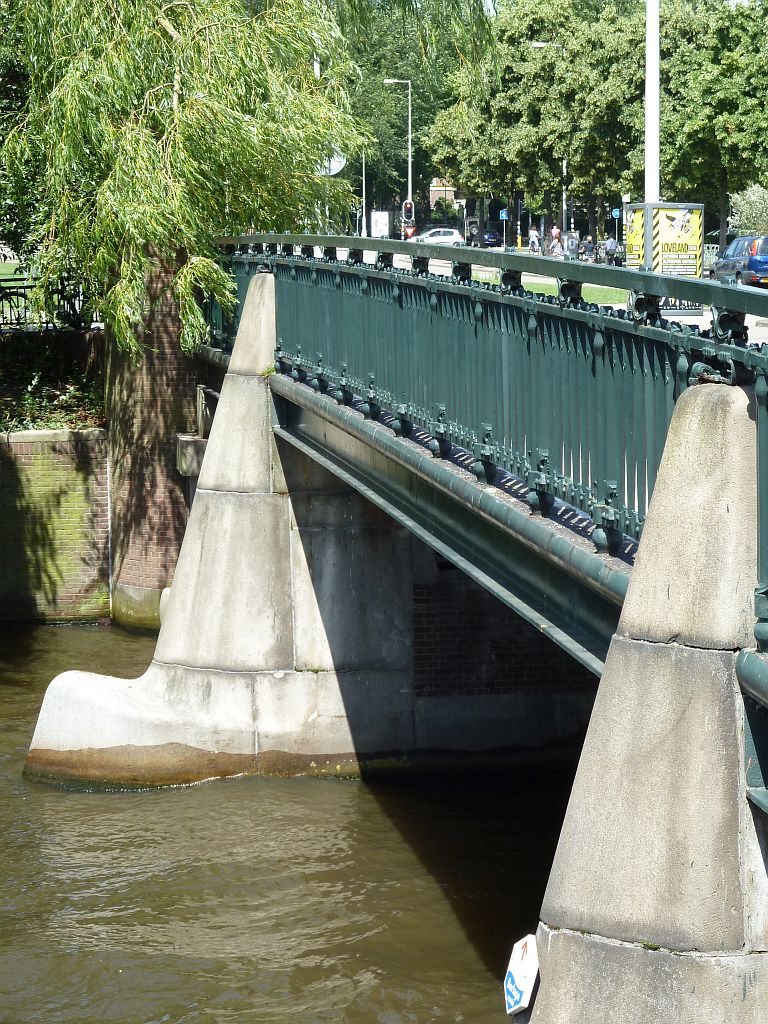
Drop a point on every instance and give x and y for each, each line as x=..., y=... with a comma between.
x=18, y=313
x=579, y=395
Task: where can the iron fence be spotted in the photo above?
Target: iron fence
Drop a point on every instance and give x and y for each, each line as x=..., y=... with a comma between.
x=573, y=397
x=19, y=313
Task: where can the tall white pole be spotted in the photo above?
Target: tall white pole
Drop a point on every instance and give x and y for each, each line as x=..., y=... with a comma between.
x=565, y=197
x=364, y=228
x=406, y=81
x=652, y=189
x=410, y=146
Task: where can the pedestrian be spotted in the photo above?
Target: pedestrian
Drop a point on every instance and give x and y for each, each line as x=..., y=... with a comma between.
x=587, y=249
x=555, y=244
x=534, y=242
x=611, y=245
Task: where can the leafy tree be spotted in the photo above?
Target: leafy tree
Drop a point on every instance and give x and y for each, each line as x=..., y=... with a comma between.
x=568, y=82
x=715, y=121
x=749, y=210
x=151, y=127
x=154, y=126
x=12, y=98
x=444, y=211
x=390, y=48
x=548, y=94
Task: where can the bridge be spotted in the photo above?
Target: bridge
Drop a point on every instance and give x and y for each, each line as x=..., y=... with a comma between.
x=521, y=437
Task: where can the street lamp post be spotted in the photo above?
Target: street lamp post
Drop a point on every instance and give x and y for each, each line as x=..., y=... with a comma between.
x=565, y=194
x=652, y=101
x=364, y=227
x=406, y=81
x=652, y=183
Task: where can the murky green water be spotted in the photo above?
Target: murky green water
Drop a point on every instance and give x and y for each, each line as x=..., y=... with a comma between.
x=262, y=900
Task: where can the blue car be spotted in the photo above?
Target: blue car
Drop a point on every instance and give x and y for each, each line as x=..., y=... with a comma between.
x=745, y=261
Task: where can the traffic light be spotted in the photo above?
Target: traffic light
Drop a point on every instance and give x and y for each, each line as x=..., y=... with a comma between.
x=409, y=212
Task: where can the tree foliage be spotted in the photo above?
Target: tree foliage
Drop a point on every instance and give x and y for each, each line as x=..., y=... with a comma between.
x=144, y=129
x=714, y=116
x=151, y=127
x=13, y=90
x=749, y=211
x=567, y=80
x=390, y=47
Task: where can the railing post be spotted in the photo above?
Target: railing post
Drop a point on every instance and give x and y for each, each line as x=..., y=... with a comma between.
x=484, y=450
x=761, y=593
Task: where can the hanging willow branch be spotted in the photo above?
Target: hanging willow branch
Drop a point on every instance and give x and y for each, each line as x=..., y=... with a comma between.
x=151, y=129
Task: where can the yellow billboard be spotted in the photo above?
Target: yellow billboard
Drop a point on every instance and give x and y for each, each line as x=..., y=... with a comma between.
x=668, y=239
x=677, y=240
x=635, y=235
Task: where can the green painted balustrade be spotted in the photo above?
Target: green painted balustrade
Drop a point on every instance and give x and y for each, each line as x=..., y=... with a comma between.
x=572, y=397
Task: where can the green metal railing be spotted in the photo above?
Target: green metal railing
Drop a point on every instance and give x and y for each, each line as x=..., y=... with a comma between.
x=572, y=397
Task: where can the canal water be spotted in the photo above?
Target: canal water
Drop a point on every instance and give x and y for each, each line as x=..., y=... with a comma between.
x=255, y=900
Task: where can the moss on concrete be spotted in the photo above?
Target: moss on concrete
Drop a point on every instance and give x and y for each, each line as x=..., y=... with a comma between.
x=54, y=525
x=136, y=607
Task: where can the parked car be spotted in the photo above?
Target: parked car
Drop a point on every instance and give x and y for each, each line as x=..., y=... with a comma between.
x=491, y=238
x=485, y=239
x=745, y=261
x=440, y=236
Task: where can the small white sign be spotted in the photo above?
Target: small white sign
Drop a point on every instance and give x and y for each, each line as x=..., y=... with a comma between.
x=521, y=975
x=379, y=224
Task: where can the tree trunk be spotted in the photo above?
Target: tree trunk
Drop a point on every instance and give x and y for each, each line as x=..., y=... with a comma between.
x=549, y=219
x=592, y=213
x=600, y=217
x=148, y=403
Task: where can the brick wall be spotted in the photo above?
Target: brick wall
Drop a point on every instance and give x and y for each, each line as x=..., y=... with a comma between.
x=466, y=642
x=54, y=558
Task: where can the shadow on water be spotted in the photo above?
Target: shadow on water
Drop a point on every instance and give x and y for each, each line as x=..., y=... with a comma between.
x=488, y=839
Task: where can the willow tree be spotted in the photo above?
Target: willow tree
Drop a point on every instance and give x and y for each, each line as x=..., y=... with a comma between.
x=152, y=127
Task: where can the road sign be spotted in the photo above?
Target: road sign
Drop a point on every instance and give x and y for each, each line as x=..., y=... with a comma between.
x=379, y=224
x=521, y=975
x=616, y=213
x=503, y=214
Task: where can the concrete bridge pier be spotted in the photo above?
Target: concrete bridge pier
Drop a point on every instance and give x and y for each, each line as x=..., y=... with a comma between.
x=657, y=903
x=286, y=637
